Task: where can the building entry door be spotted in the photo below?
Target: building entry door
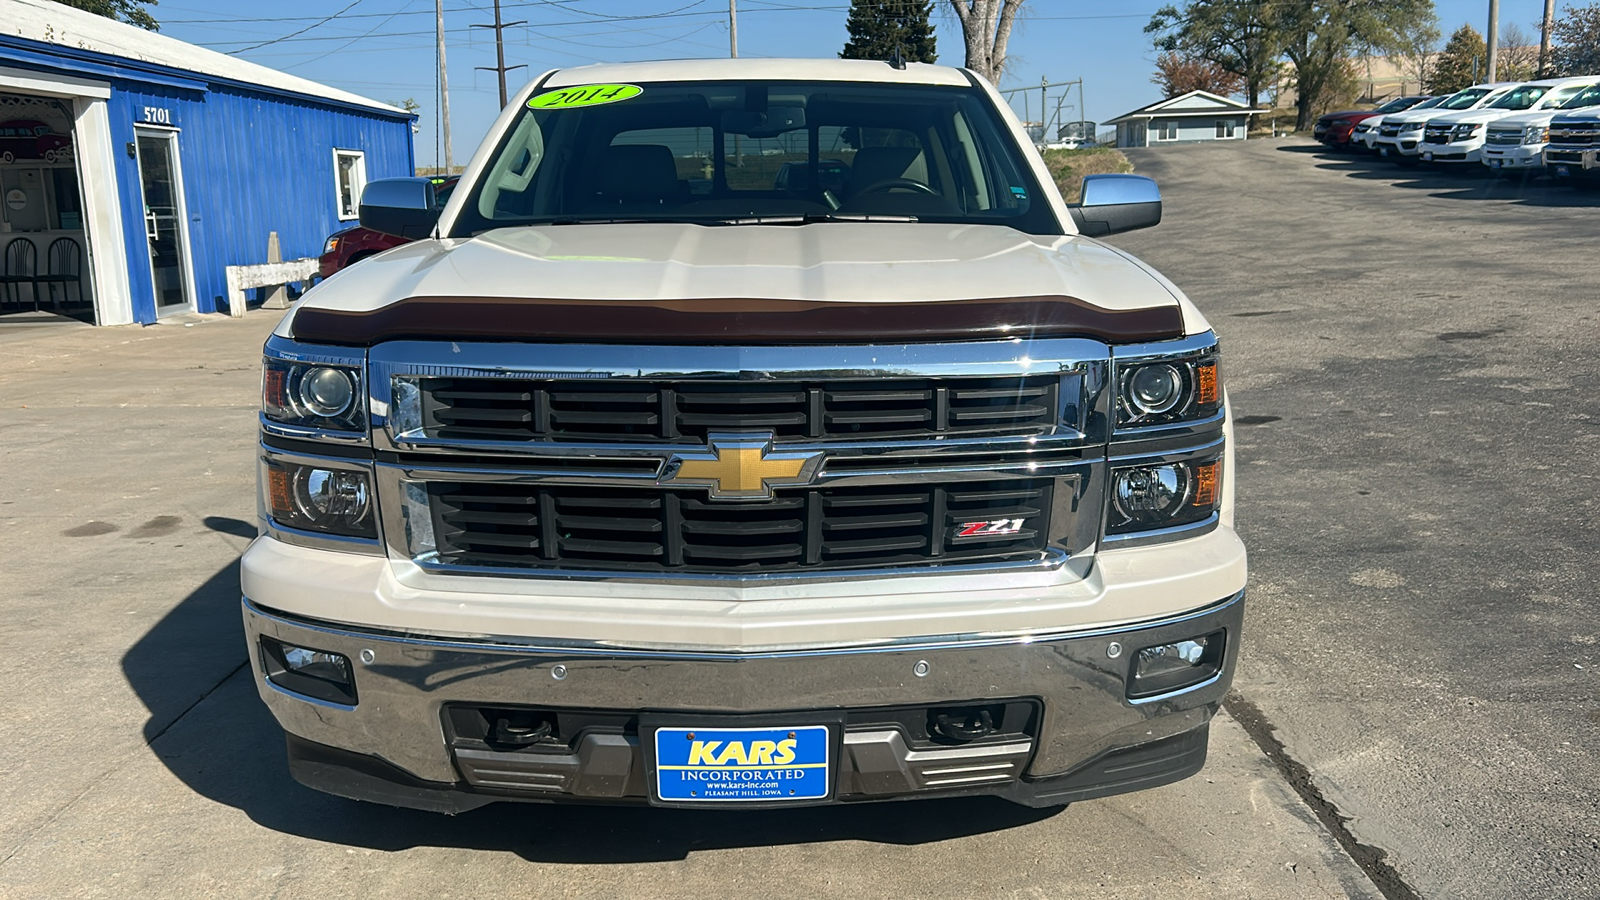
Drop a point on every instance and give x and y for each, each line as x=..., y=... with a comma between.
x=165, y=222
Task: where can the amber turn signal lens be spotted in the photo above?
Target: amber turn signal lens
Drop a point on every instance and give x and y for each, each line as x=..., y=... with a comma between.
x=274, y=388
x=279, y=493
x=1205, y=484
x=1206, y=382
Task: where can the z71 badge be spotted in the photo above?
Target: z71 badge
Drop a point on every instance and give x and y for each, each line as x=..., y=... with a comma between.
x=995, y=528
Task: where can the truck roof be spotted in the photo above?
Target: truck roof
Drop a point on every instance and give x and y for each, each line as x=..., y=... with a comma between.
x=858, y=70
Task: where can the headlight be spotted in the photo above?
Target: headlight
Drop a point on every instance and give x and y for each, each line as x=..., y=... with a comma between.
x=311, y=395
x=1168, y=391
x=1465, y=131
x=1163, y=496
x=1411, y=126
x=314, y=498
x=1536, y=134
x=330, y=246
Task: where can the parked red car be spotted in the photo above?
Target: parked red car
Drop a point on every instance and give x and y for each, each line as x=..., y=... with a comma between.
x=27, y=139
x=1334, y=129
x=354, y=244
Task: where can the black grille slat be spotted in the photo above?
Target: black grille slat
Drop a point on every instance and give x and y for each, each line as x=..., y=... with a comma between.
x=650, y=529
x=522, y=409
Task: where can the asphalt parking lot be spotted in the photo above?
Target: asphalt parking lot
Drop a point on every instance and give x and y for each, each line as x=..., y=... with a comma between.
x=1411, y=358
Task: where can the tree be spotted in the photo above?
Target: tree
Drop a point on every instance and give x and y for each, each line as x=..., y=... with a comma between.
x=1177, y=74
x=879, y=27
x=1463, y=62
x=132, y=12
x=1321, y=36
x=1416, y=46
x=1576, y=37
x=986, y=25
x=1519, y=54
x=1238, y=36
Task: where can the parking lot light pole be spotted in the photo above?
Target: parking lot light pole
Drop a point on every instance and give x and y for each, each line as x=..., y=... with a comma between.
x=1494, y=39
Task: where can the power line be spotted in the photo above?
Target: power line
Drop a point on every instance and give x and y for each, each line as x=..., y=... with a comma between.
x=301, y=31
x=500, y=68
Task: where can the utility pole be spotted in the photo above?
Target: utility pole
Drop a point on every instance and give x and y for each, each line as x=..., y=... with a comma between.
x=444, y=89
x=1544, y=37
x=1494, y=38
x=500, y=50
x=733, y=29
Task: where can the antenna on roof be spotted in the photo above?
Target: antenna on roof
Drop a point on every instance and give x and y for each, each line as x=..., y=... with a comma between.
x=897, y=59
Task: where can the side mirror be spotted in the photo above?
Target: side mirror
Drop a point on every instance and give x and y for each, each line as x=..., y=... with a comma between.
x=403, y=207
x=1116, y=203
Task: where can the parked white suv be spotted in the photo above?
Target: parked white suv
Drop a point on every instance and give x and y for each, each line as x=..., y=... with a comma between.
x=1458, y=137
x=1400, y=135
x=1365, y=136
x=1517, y=143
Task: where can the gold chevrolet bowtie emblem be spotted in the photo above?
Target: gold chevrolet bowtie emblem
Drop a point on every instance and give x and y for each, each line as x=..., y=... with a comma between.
x=742, y=467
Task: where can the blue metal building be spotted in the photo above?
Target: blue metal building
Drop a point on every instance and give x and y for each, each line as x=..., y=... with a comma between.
x=163, y=163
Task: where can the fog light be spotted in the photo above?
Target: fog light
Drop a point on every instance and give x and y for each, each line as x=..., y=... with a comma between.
x=319, y=674
x=1165, y=668
x=1151, y=494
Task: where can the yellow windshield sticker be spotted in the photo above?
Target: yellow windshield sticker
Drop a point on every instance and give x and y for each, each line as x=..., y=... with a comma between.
x=585, y=95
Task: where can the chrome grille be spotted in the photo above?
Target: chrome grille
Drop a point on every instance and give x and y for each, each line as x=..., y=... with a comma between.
x=502, y=409
x=679, y=531
x=1388, y=130
x=1574, y=135
x=1438, y=134
x=1505, y=138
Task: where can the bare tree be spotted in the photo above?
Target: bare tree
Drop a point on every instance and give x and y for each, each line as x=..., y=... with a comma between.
x=1519, y=53
x=1416, y=47
x=986, y=24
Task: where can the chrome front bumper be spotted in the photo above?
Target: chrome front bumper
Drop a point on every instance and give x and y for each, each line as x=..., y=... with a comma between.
x=1088, y=740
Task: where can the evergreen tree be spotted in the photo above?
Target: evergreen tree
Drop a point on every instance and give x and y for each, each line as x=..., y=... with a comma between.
x=878, y=27
x=1463, y=62
x=132, y=12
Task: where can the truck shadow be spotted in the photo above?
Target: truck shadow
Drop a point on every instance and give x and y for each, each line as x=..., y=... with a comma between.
x=1458, y=182
x=209, y=728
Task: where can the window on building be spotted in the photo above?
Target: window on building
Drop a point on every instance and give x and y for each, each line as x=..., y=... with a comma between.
x=1167, y=131
x=1225, y=129
x=349, y=176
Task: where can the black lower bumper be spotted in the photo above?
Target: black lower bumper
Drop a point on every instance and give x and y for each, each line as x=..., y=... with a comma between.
x=361, y=777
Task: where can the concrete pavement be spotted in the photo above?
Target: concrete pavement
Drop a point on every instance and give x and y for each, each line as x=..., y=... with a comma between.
x=140, y=762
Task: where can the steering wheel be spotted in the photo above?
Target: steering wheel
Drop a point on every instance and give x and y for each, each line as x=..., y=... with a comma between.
x=890, y=184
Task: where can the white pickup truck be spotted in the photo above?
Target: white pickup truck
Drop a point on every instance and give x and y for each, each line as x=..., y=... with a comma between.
x=1400, y=135
x=1516, y=143
x=1574, y=149
x=1458, y=137
x=641, y=478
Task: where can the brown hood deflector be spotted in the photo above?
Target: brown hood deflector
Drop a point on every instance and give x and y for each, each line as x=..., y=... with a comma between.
x=732, y=321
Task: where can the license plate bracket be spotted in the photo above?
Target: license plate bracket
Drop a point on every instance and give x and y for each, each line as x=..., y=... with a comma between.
x=716, y=760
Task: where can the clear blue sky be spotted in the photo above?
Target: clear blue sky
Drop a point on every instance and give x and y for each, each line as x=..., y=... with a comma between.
x=384, y=48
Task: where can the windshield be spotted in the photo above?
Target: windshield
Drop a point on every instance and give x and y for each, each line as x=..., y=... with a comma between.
x=1589, y=97
x=1398, y=104
x=1464, y=99
x=737, y=152
x=1430, y=103
x=1521, y=98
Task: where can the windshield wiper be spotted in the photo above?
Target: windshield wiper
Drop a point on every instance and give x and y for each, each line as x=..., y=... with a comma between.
x=813, y=219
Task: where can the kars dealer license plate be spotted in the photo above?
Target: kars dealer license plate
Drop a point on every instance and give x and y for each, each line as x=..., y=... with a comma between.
x=734, y=765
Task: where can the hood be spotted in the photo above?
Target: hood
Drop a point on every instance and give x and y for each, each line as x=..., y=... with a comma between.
x=1468, y=116
x=1352, y=115
x=1524, y=119
x=658, y=264
x=1587, y=114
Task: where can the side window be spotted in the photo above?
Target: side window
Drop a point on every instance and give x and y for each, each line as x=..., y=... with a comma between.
x=1225, y=129
x=1167, y=131
x=349, y=177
